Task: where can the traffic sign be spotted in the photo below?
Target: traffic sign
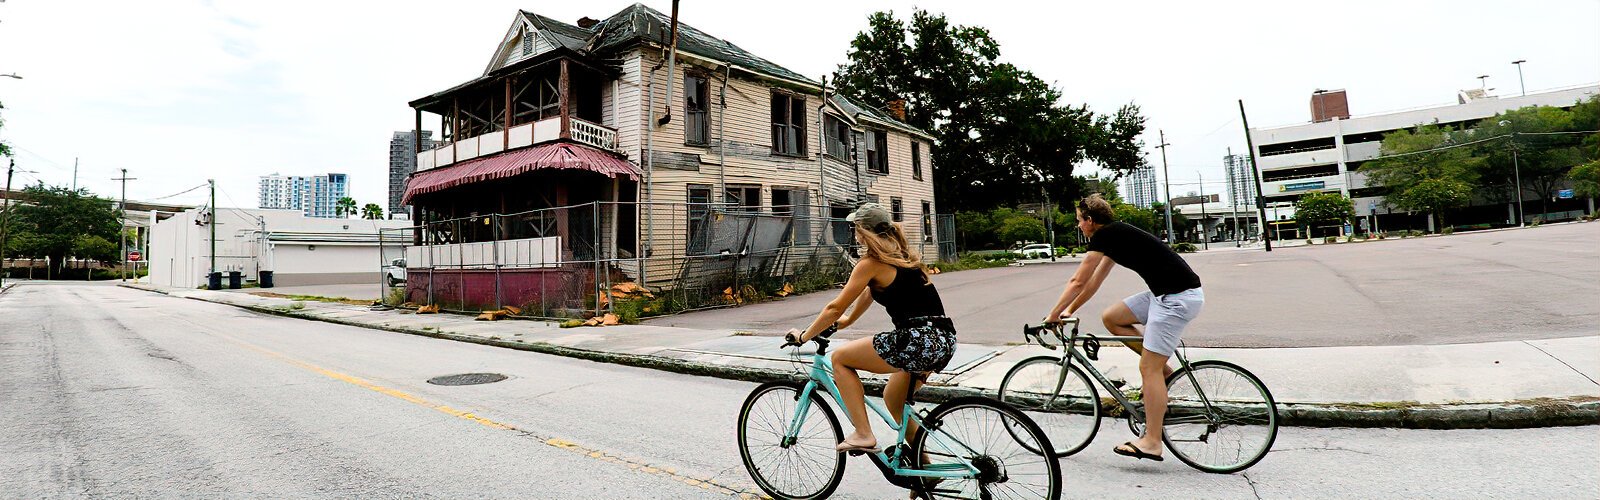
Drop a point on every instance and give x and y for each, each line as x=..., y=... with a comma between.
x=134, y=256
x=1565, y=194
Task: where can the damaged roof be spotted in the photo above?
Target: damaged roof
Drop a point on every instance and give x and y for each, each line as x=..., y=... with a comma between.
x=639, y=22
x=857, y=111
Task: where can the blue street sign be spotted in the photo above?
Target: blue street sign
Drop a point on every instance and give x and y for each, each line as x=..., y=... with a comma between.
x=1565, y=194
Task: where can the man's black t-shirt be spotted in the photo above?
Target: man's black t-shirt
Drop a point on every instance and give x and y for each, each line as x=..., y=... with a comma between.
x=1162, y=269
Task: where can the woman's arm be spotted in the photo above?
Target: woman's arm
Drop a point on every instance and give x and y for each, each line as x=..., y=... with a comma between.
x=1079, y=284
x=860, y=277
x=863, y=303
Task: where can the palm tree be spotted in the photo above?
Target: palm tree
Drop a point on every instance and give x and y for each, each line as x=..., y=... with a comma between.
x=372, y=211
x=345, y=207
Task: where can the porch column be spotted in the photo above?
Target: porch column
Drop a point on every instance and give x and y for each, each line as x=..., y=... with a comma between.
x=562, y=216
x=566, y=102
x=506, y=130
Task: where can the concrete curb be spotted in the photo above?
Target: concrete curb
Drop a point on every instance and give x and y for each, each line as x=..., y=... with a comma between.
x=1540, y=412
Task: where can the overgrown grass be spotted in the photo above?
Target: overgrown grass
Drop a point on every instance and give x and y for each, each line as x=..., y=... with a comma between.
x=975, y=261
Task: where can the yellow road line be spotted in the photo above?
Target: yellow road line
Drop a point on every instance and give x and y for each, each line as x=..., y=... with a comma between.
x=666, y=472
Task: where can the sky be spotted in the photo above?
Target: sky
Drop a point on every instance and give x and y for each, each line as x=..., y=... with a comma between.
x=179, y=91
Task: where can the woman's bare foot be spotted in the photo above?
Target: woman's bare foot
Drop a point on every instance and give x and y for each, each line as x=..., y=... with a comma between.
x=858, y=442
x=1140, y=449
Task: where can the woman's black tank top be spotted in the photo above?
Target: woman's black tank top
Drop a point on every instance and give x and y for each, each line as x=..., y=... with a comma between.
x=910, y=295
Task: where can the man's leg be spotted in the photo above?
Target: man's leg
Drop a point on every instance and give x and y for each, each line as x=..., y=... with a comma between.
x=1119, y=320
x=1153, y=368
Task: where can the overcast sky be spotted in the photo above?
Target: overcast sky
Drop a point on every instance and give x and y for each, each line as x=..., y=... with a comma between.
x=178, y=91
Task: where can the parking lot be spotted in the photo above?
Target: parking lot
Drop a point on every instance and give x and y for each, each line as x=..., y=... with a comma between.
x=1523, y=284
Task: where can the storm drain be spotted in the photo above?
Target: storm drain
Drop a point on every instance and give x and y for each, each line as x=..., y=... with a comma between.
x=467, y=379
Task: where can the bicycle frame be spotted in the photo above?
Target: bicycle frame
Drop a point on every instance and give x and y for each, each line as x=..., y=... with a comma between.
x=822, y=376
x=1070, y=353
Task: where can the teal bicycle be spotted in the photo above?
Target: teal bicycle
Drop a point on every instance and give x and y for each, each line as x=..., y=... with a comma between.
x=968, y=447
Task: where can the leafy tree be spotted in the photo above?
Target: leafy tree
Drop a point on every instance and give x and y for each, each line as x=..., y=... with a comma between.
x=345, y=207
x=372, y=211
x=1142, y=218
x=1542, y=158
x=61, y=222
x=1586, y=179
x=1020, y=227
x=1319, y=209
x=1000, y=129
x=1424, y=172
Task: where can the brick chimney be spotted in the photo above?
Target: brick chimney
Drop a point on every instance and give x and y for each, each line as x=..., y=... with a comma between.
x=1329, y=104
x=897, y=109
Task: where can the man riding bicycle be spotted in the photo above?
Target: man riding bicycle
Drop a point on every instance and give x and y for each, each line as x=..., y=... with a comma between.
x=1174, y=299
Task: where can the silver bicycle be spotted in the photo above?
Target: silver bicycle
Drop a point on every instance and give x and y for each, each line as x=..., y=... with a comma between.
x=1220, y=418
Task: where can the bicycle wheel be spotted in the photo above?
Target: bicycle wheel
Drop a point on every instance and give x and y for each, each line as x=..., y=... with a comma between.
x=805, y=468
x=1239, y=427
x=1072, y=418
x=995, y=438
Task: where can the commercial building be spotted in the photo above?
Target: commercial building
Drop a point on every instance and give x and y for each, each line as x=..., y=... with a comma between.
x=403, y=149
x=1326, y=154
x=300, y=250
x=314, y=196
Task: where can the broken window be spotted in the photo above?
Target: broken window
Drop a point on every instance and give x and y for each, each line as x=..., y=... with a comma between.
x=878, y=151
x=695, y=96
x=788, y=124
x=838, y=137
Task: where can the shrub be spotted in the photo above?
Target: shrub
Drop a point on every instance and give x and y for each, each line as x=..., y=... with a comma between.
x=1183, y=247
x=1535, y=222
x=1448, y=230
x=1330, y=239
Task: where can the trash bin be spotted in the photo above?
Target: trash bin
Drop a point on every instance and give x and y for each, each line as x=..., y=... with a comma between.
x=233, y=280
x=214, y=281
x=265, y=279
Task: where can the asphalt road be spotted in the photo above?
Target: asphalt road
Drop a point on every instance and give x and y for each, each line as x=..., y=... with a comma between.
x=1526, y=284
x=111, y=392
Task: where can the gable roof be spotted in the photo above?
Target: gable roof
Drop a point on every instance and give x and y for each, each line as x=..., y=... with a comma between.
x=859, y=112
x=563, y=34
x=640, y=22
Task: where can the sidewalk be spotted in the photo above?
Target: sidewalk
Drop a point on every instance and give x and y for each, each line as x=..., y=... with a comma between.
x=1484, y=385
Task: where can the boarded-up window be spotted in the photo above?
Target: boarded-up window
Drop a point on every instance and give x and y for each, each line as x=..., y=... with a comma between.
x=927, y=221
x=916, y=160
x=838, y=137
x=788, y=124
x=896, y=208
x=695, y=97
x=878, y=151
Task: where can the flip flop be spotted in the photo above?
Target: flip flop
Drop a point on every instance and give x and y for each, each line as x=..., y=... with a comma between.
x=1136, y=453
x=847, y=446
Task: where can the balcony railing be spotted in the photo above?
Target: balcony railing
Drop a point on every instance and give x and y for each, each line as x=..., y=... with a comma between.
x=594, y=134
x=527, y=134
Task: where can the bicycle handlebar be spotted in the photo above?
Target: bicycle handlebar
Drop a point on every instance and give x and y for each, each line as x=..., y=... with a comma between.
x=1032, y=332
x=821, y=339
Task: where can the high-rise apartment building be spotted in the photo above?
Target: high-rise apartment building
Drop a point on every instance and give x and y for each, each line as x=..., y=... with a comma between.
x=1241, y=180
x=402, y=162
x=316, y=195
x=1140, y=187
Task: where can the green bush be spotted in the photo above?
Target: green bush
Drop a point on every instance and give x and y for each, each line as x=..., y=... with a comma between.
x=1183, y=247
x=1535, y=222
x=1448, y=230
x=1330, y=239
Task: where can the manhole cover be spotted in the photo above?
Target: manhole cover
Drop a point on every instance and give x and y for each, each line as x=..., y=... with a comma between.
x=467, y=379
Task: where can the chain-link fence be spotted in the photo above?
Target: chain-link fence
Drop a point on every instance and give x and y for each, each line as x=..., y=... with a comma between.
x=630, y=259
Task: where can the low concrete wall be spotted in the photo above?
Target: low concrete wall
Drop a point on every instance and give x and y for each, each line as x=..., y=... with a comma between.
x=302, y=279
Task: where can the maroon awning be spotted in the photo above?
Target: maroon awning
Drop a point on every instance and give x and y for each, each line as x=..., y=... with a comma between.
x=559, y=155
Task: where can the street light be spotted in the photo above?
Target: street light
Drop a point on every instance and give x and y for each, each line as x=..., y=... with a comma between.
x=1516, y=170
x=1520, y=83
x=13, y=75
x=1482, y=80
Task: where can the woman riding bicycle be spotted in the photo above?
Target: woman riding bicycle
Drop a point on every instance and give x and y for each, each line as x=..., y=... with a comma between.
x=923, y=340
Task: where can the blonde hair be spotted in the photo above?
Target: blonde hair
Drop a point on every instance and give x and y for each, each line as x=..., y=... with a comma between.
x=890, y=247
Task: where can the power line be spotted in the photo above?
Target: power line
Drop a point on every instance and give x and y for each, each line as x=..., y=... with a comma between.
x=181, y=193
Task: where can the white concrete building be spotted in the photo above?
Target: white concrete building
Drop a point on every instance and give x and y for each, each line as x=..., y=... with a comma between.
x=1326, y=154
x=300, y=250
x=1139, y=187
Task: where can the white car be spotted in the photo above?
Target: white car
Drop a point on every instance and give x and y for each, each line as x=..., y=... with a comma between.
x=395, y=272
x=1034, y=251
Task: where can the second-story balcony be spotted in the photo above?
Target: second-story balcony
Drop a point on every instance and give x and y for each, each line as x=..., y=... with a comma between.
x=528, y=134
x=557, y=98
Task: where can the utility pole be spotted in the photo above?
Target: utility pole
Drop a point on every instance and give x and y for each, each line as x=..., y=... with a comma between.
x=1255, y=174
x=1168, y=179
x=5, y=221
x=1521, y=83
x=1516, y=168
x=1205, y=239
x=74, y=173
x=122, y=229
x=213, y=224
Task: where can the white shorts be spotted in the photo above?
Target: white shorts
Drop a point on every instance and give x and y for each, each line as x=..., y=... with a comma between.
x=1164, y=317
